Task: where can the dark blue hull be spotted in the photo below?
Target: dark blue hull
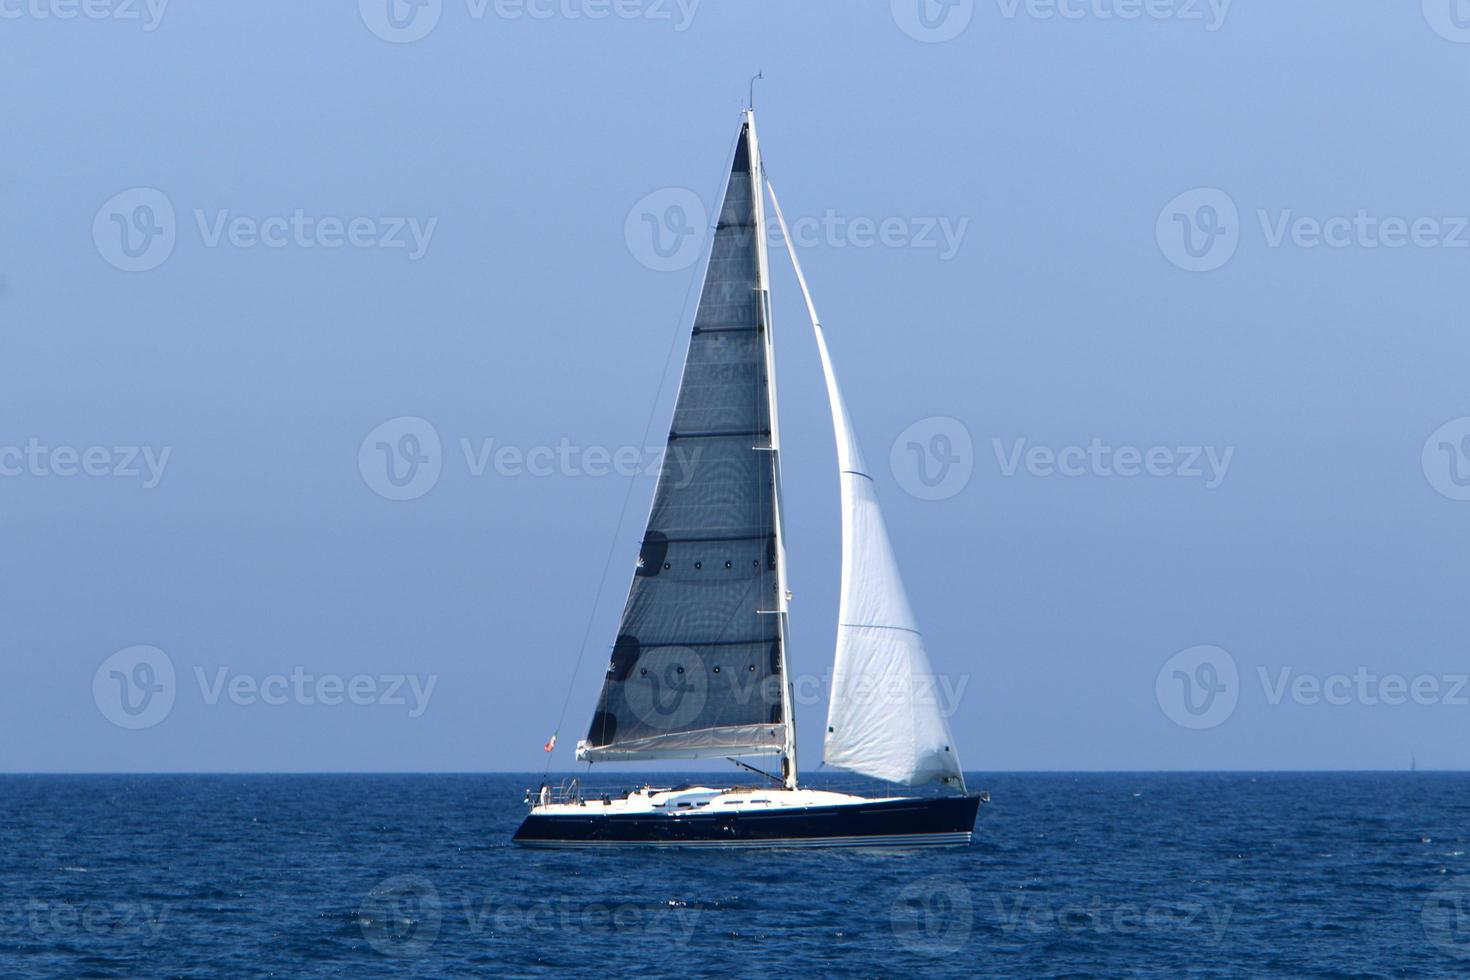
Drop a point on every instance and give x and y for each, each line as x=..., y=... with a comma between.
x=889, y=823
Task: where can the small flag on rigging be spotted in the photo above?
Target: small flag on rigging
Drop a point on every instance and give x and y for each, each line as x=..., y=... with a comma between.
x=550, y=743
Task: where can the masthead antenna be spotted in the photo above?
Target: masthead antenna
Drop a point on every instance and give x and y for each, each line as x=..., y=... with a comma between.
x=757, y=77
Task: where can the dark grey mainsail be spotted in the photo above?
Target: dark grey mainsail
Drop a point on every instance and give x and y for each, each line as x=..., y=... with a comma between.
x=696, y=669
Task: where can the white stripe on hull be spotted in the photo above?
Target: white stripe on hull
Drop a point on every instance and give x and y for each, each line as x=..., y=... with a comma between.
x=876, y=840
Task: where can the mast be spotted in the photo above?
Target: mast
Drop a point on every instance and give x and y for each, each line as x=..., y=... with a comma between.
x=783, y=595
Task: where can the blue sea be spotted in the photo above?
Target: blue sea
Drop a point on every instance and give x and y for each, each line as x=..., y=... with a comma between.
x=1071, y=875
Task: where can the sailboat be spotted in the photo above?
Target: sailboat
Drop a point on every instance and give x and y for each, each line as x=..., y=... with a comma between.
x=699, y=668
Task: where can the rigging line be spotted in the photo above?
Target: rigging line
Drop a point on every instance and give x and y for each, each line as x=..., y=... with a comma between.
x=696, y=284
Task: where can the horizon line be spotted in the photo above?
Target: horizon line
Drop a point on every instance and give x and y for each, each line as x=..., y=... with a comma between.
x=692, y=772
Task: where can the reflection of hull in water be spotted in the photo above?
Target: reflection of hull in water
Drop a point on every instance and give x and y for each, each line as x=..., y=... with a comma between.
x=751, y=818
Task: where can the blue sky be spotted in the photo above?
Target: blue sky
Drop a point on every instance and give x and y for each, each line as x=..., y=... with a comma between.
x=1221, y=248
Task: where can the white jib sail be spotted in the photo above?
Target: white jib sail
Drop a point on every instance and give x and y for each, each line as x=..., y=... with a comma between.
x=887, y=715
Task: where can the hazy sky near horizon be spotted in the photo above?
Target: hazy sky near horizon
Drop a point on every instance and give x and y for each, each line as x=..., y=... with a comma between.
x=330, y=335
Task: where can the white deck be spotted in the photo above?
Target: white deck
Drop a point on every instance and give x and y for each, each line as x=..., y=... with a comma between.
x=702, y=799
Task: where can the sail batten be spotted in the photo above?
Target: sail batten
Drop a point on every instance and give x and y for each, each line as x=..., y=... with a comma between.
x=698, y=667
x=883, y=720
